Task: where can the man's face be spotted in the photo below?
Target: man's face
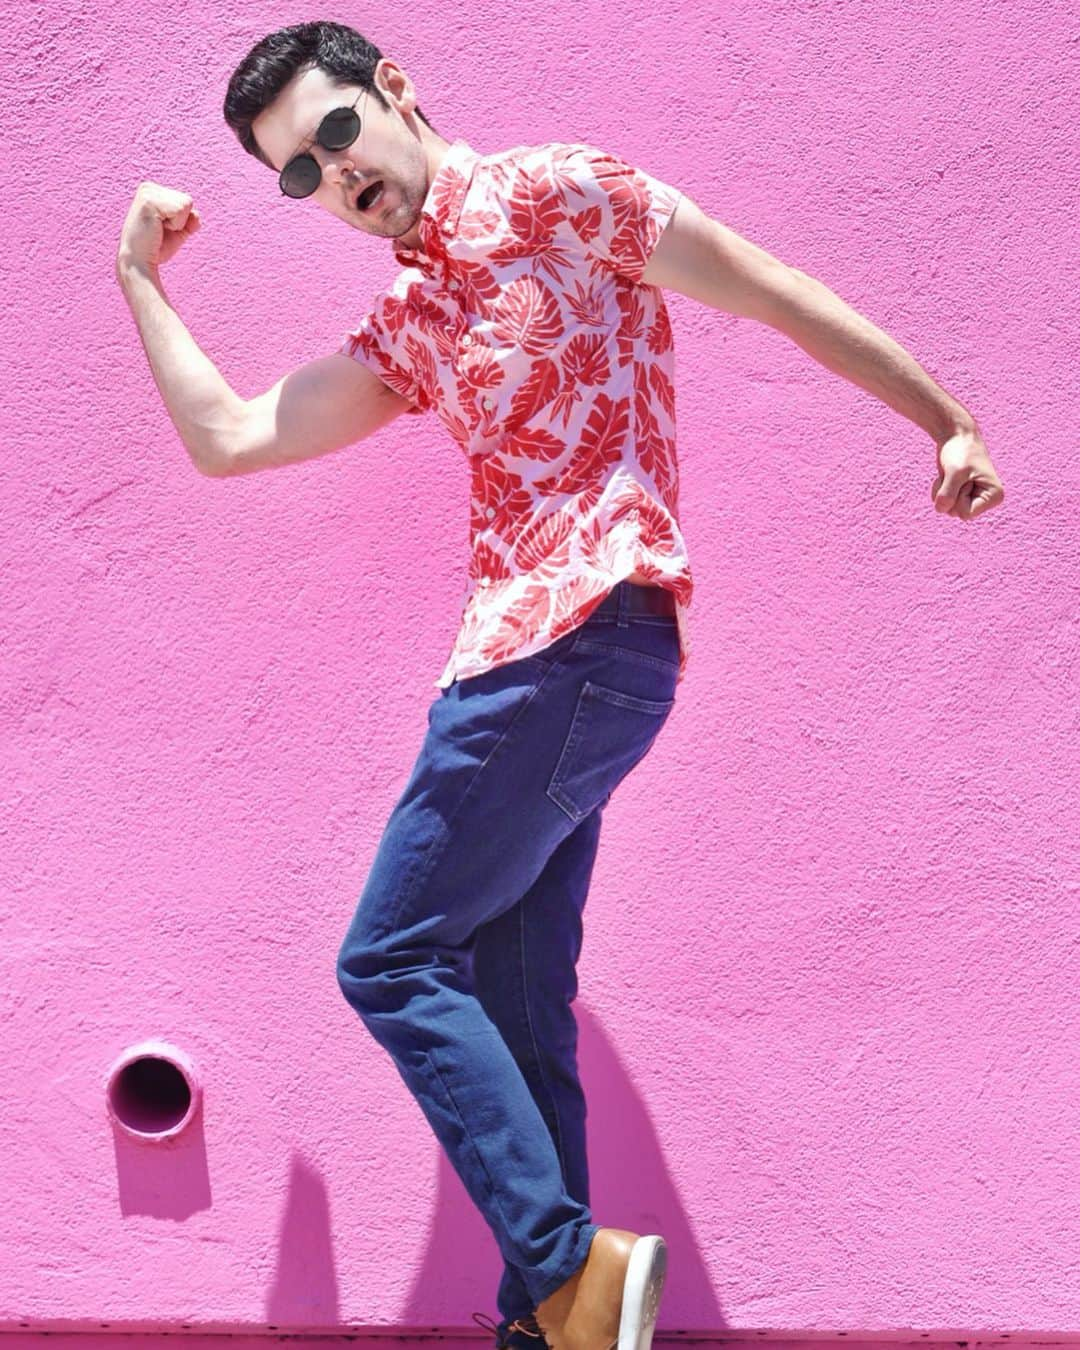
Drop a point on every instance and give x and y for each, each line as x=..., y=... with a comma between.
x=385, y=149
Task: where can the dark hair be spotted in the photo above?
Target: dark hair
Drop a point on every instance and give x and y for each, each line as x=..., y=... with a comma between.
x=346, y=56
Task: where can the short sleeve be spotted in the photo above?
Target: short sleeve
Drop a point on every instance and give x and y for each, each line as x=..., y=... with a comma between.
x=388, y=343
x=616, y=210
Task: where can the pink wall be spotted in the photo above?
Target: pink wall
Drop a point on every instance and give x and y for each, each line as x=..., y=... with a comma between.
x=829, y=987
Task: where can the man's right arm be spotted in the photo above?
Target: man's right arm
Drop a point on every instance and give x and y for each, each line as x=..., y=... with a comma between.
x=330, y=402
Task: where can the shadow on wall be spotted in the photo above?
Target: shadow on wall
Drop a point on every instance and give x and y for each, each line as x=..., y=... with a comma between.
x=461, y=1268
x=629, y=1187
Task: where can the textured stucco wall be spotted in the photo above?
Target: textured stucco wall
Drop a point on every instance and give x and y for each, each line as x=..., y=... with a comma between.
x=829, y=986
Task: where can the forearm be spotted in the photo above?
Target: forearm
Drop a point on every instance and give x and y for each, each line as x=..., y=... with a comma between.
x=201, y=404
x=846, y=342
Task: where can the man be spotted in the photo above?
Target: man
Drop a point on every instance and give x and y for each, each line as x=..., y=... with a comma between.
x=529, y=315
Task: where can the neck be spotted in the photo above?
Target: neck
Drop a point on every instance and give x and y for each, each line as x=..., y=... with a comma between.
x=433, y=148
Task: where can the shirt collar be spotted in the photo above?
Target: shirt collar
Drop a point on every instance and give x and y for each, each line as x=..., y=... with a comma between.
x=441, y=210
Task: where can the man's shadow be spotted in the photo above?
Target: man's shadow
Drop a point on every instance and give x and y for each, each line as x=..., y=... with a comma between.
x=629, y=1188
x=459, y=1275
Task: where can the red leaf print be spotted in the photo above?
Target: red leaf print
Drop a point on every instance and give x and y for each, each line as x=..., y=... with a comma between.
x=528, y=315
x=427, y=313
x=544, y=545
x=594, y=541
x=585, y=360
x=587, y=223
x=479, y=280
x=476, y=225
x=629, y=248
x=575, y=601
x=564, y=179
x=656, y=531
x=456, y=427
x=479, y=367
x=535, y=393
x=423, y=363
x=512, y=249
x=495, y=488
x=602, y=440
x=588, y=497
x=647, y=437
x=485, y=562
x=466, y=398
x=396, y=378
x=586, y=306
x=535, y=443
x=664, y=389
x=555, y=259
x=630, y=200
x=659, y=336
x=517, y=622
x=502, y=173
x=447, y=188
x=631, y=322
x=443, y=339
x=535, y=207
x=395, y=312
x=566, y=400
x=605, y=430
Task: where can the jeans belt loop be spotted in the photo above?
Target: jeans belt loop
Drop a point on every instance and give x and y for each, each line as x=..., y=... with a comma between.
x=623, y=619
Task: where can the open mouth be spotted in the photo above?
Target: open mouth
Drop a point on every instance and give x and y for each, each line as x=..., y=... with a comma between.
x=370, y=196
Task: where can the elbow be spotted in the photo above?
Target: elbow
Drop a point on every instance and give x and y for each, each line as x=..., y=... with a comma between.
x=212, y=463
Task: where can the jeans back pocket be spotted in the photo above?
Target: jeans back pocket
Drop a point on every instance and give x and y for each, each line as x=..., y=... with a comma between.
x=610, y=732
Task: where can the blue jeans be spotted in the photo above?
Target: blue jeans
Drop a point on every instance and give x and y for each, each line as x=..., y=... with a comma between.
x=460, y=956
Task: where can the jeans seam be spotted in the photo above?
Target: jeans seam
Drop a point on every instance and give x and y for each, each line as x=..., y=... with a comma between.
x=614, y=648
x=554, y=785
x=430, y=1058
x=536, y=1048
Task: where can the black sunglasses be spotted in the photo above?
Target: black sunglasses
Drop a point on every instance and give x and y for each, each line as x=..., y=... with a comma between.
x=339, y=128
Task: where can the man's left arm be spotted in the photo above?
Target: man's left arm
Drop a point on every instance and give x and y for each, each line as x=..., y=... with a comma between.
x=703, y=259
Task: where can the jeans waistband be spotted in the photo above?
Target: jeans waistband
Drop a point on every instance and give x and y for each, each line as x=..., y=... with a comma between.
x=628, y=598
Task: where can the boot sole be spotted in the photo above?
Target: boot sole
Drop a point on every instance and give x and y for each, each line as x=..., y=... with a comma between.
x=642, y=1288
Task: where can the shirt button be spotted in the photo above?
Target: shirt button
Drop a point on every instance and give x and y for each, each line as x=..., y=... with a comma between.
x=490, y=513
x=487, y=402
x=485, y=581
x=466, y=340
x=454, y=286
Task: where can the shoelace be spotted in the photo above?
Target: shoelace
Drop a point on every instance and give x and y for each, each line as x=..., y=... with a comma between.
x=528, y=1326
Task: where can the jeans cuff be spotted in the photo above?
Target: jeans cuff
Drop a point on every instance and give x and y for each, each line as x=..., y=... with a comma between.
x=550, y=1283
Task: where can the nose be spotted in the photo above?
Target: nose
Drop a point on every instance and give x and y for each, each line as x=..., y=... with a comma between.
x=337, y=168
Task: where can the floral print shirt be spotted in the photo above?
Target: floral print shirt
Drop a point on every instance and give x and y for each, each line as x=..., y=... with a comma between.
x=522, y=322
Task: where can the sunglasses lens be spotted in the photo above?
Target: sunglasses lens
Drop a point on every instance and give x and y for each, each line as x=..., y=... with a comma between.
x=339, y=128
x=300, y=177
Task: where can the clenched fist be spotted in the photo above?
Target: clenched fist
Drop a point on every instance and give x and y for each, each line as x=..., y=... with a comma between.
x=157, y=223
x=967, y=485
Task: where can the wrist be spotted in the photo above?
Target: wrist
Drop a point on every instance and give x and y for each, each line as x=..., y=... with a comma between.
x=130, y=269
x=960, y=423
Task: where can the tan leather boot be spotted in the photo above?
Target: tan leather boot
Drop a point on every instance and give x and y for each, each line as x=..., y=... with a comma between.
x=611, y=1300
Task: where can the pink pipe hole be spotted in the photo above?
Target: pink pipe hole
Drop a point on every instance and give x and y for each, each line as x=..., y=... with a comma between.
x=152, y=1091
